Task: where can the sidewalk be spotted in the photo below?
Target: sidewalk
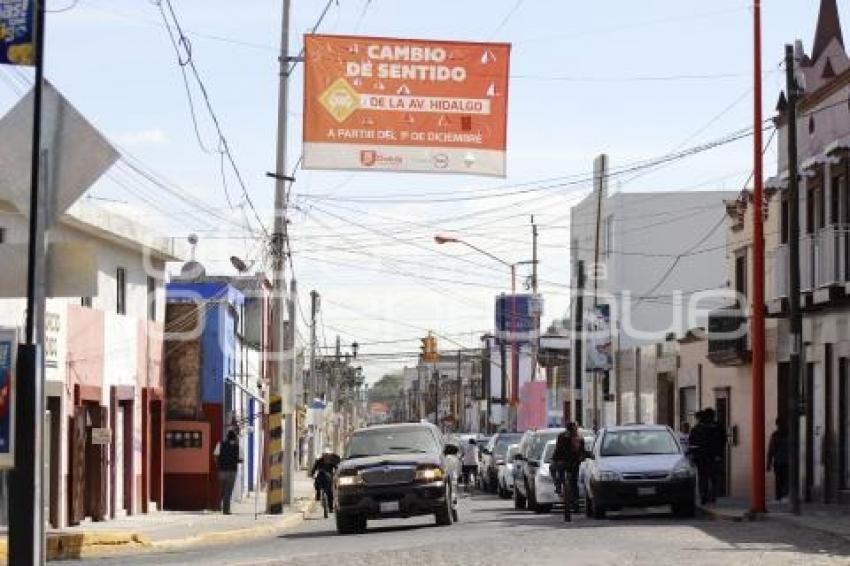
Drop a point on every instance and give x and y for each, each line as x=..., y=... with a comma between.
x=828, y=519
x=173, y=529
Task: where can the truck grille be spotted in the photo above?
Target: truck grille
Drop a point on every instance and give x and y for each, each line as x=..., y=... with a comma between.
x=388, y=475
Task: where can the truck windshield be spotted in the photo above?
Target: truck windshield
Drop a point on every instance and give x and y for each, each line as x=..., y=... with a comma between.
x=379, y=442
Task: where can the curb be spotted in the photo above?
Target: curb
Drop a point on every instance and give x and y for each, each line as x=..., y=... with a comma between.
x=62, y=546
x=65, y=546
x=734, y=515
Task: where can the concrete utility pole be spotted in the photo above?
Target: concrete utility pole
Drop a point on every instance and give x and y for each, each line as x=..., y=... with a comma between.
x=290, y=440
x=534, y=337
x=794, y=314
x=279, y=392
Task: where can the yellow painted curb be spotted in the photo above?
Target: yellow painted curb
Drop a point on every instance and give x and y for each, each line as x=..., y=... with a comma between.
x=64, y=546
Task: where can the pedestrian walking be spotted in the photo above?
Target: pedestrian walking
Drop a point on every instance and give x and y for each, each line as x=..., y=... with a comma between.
x=227, y=462
x=707, y=442
x=777, y=459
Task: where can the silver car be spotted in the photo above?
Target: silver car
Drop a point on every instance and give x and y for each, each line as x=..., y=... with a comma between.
x=639, y=466
x=506, y=473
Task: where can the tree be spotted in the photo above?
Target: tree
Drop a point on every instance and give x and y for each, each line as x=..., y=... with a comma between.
x=387, y=389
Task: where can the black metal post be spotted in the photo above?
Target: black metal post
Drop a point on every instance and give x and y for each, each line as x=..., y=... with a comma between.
x=26, y=523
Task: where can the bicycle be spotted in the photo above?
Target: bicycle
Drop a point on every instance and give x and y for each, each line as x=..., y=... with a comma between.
x=470, y=477
x=566, y=491
x=325, y=483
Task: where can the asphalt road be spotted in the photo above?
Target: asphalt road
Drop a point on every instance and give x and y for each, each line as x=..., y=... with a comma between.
x=491, y=532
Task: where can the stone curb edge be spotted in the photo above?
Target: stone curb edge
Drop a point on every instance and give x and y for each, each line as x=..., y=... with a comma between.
x=62, y=546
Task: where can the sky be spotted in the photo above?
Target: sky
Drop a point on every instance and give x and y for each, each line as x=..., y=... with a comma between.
x=635, y=80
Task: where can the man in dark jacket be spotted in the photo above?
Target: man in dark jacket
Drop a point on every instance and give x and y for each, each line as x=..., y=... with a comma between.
x=707, y=443
x=777, y=458
x=322, y=473
x=228, y=463
x=566, y=460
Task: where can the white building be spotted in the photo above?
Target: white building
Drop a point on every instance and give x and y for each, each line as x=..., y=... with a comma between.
x=655, y=250
x=103, y=358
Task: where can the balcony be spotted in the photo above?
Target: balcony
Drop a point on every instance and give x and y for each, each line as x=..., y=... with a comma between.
x=728, y=338
x=824, y=266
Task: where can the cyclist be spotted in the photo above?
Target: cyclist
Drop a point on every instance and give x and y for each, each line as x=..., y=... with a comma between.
x=569, y=452
x=469, y=462
x=323, y=473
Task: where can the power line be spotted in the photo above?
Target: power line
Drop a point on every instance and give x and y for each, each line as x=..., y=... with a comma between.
x=189, y=61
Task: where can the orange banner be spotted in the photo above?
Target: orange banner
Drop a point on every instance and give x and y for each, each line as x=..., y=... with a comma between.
x=405, y=105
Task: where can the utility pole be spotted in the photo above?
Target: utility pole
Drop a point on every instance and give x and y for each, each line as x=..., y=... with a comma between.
x=290, y=440
x=602, y=166
x=26, y=496
x=277, y=456
x=460, y=403
x=757, y=504
x=535, y=337
x=794, y=314
x=313, y=384
x=578, y=351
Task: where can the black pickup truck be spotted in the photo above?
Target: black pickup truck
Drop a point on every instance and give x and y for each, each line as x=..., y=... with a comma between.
x=395, y=471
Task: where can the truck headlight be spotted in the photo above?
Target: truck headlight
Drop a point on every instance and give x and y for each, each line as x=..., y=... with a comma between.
x=428, y=475
x=350, y=480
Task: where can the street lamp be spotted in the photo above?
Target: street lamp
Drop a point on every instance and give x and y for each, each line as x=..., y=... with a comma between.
x=444, y=239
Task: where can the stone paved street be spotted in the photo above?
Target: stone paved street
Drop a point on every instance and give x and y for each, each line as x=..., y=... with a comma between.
x=491, y=532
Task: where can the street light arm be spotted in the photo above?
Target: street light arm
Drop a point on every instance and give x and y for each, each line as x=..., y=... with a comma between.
x=451, y=240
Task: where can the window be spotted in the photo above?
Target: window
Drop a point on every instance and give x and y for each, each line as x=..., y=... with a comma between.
x=85, y=302
x=810, y=210
x=835, y=200
x=121, y=291
x=2, y=235
x=785, y=220
x=741, y=272
x=151, y=298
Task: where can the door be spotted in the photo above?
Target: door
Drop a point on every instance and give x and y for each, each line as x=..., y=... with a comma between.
x=118, y=463
x=665, y=402
x=829, y=460
x=843, y=436
x=77, y=467
x=96, y=469
x=722, y=406
x=156, y=453
x=808, y=395
x=54, y=406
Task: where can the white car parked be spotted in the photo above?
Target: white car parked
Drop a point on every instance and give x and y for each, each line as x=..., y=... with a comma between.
x=506, y=472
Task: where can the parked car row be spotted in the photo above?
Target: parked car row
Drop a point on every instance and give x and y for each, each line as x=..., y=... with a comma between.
x=406, y=470
x=625, y=466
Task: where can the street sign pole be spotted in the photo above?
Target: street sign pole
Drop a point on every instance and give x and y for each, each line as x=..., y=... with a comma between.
x=26, y=522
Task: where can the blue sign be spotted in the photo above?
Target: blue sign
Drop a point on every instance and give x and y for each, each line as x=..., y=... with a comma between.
x=16, y=32
x=6, y=401
x=517, y=317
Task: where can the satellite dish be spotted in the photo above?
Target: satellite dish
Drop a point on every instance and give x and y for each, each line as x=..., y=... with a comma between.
x=192, y=270
x=238, y=264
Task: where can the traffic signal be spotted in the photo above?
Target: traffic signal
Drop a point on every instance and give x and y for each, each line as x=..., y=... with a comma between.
x=429, y=349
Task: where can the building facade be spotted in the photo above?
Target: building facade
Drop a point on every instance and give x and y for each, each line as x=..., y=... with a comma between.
x=637, y=260
x=103, y=364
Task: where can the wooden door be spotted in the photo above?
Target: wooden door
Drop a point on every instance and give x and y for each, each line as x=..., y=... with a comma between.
x=723, y=408
x=77, y=476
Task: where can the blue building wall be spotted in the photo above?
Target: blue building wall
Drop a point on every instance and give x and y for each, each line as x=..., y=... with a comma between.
x=219, y=348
